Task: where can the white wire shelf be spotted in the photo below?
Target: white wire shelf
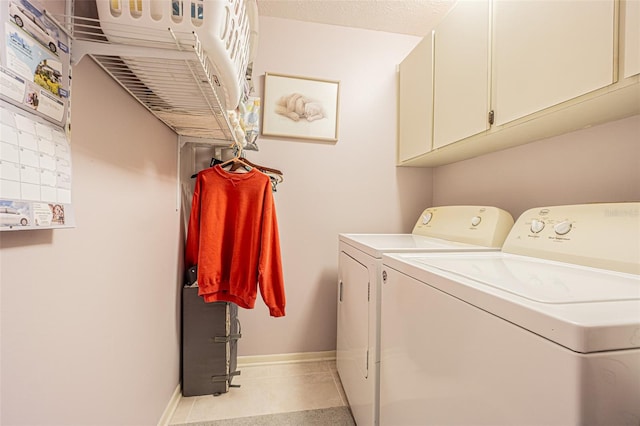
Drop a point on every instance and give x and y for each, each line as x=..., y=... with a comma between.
x=167, y=72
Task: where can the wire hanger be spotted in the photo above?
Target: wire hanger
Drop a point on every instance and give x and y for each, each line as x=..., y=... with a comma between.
x=237, y=160
x=263, y=169
x=275, y=175
x=214, y=161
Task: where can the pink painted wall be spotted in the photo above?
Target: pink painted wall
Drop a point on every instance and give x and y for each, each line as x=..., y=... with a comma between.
x=90, y=315
x=599, y=164
x=351, y=185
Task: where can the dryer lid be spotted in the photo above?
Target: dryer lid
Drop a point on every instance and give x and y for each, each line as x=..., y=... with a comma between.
x=376, y=244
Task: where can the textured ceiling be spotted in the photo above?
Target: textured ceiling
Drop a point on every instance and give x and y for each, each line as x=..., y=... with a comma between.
x=413, y=17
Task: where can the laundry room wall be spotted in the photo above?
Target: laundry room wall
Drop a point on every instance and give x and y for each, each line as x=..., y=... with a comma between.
x=90, y=315
x=351, y=185
x=597, y=164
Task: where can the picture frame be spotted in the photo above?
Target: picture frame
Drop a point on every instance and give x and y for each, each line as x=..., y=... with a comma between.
x=300, y=107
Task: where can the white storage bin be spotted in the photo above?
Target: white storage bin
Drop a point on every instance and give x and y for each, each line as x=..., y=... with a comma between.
x=226, y=29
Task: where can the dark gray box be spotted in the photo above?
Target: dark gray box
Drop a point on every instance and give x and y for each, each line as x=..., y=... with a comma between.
x=210, y=333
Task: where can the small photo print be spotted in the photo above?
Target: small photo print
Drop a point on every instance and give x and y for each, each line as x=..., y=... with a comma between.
x=48, y=214
x=14, y=214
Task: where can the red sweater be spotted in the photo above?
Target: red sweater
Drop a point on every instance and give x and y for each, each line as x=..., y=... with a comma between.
x=233, y=238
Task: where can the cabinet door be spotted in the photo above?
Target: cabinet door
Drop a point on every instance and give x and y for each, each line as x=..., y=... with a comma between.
x=631, y=39
x=415, y=107
x=548, y=52
x=461, y=73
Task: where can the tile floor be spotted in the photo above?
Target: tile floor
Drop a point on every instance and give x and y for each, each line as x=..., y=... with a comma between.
x=268, y=389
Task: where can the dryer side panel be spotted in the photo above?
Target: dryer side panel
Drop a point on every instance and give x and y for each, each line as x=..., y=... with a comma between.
x=353, y=341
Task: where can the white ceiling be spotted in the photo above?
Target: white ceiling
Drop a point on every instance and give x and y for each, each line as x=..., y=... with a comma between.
x=413, y=17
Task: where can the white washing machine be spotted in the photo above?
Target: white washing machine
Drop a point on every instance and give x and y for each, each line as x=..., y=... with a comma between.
x=545, y=332
x=442, y=229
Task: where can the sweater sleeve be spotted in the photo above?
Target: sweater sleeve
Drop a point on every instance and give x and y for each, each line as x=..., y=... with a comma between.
x=270, y=277
x=193, y=232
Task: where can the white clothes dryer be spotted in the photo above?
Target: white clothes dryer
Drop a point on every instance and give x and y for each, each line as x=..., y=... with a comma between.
x=545, y=332
x=439, y=229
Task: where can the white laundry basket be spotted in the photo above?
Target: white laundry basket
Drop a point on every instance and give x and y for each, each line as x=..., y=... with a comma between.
x=226, y=30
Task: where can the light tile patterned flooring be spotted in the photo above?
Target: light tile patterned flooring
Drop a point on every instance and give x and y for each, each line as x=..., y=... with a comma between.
x=268, y=389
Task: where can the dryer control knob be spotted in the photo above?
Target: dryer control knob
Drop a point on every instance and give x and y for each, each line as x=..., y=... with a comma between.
x=426, y=218
x=537, y=226
x=475, y=221
x=562, y=228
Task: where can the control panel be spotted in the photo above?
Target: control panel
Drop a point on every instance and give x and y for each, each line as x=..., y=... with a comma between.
x=603, y=235
x=480, y=225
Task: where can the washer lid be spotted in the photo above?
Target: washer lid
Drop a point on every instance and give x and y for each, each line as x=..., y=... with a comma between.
x=541, y=281
x=376, y=244
x=584, y=309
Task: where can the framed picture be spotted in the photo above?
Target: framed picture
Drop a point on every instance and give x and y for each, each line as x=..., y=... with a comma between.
x=300, y=107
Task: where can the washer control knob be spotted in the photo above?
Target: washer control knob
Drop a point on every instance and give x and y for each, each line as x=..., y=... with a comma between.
x=426, y=218
x=537, y=226
x=475, y=221
x=562, y=228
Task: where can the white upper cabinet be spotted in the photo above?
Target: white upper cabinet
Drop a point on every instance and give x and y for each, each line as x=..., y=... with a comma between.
x=630, y=23
x=416, y=101
x=547, y=52
x=539, y=68
x=461, y=73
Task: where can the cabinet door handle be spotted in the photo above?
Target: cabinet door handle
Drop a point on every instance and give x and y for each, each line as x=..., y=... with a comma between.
x=492, y=117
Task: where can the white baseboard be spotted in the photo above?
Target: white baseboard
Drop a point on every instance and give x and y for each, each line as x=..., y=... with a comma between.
x=286, y=358
x=171, y=406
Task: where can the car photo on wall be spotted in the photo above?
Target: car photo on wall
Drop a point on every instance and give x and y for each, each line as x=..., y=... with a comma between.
x=10, y=216
x=30, y=20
